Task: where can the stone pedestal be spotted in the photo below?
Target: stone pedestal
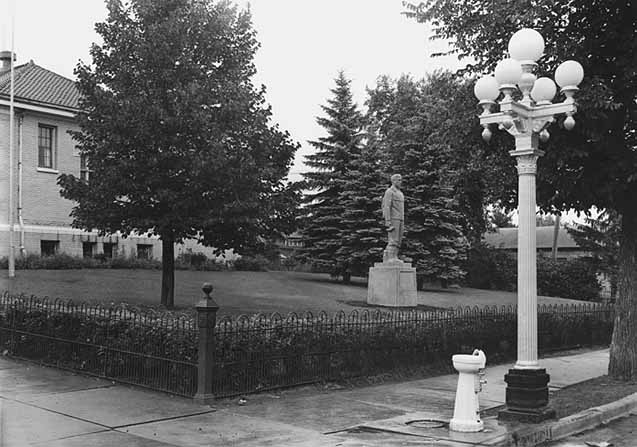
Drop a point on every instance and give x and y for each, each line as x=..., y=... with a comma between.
x=527, y=396
x=392, y=283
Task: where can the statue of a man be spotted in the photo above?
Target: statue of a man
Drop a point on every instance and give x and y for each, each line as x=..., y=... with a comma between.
x=394, y=215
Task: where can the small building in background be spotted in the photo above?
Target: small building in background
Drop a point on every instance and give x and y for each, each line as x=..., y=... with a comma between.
x=507, y=239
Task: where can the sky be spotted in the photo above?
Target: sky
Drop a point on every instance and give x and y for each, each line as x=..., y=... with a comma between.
x=304, y=43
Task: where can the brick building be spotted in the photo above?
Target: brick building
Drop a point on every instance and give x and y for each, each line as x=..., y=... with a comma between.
x=45, y=106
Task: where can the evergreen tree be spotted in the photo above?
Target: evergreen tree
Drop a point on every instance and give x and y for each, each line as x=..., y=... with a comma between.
x=363, y=232
x=332, y=161
x=434, y=238
x=179, y=140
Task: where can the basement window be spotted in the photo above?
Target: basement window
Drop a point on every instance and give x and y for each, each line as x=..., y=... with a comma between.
x=49, y=248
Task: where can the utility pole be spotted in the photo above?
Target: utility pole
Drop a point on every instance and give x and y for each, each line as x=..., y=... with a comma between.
x=11, y=151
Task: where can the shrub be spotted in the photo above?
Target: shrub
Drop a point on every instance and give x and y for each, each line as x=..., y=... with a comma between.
x=131, y=262
x=256, y=263
x=110, y=342
x=189, y=260
x=198, y=261
x=489, y=268
x=64, y=261
x=573, y=278
x=59, y=261
x=268, y=351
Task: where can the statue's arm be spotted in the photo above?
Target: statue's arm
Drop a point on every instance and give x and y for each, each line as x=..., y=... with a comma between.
x=387, y=206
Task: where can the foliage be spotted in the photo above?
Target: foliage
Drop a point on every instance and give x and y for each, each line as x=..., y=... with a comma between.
x=64, y=262
x=490, y=268
x=115, y=343
x=178, y=139
x=494, y=269
x=363, y=233
x=601, y=237
x=471, y=168
x=251, y=263
x=499, y=218
x=414, y=128
x=159, y=350
x=59, y=261
x=331, y=162
x=416, y=146
x=194, y=260
x=132, y=262
x=596, y=163
x=572, y=278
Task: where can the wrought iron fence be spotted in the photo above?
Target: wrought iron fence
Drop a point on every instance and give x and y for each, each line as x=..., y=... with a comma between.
x=148, y=349
x=265, y=352
x=261, y=352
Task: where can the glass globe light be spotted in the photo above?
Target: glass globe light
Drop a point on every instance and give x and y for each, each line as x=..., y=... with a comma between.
x=569, y=74
x=486, y=134
x=508, y=72
x=486, y=89
x=543, y=90
x=526, y=45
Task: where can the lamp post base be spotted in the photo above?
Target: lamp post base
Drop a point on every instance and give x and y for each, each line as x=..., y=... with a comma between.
x=527, y=396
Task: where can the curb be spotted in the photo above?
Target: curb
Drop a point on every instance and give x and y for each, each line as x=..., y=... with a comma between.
x=569, y=425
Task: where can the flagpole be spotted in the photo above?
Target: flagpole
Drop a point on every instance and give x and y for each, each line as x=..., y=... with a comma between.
x=11, y=137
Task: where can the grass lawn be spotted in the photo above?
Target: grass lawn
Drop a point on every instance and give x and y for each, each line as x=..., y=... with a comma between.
x=235, y=292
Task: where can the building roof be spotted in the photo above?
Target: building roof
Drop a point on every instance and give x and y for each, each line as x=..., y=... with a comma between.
x=36, y=85
x=507, y=238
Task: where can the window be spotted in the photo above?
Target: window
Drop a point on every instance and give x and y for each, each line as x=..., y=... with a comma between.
x=84, y=169
x=144, y=251
x=46, y=147
x=88, y=249
x=110, y=249
x=49, y=248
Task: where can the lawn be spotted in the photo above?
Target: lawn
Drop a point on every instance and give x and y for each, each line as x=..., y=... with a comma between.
x=235, y=292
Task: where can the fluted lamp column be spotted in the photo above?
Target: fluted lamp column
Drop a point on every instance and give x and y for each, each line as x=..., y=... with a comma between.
x=526, y=119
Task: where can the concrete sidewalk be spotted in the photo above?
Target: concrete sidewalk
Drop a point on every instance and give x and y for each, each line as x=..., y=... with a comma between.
x=43, y=406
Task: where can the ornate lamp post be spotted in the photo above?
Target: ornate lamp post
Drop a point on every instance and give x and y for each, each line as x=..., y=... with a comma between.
x=527, y=119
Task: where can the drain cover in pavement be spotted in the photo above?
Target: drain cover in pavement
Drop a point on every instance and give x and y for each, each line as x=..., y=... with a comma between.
x=426, y=423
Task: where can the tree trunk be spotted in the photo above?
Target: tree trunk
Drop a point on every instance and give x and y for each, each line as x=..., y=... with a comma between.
x=168, y=270
x=556, y=233
x=623, y=348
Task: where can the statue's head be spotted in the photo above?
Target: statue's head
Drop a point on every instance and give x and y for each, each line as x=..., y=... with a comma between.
x=396, y=180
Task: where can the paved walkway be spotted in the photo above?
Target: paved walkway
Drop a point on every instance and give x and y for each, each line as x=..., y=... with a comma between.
x=42, y=406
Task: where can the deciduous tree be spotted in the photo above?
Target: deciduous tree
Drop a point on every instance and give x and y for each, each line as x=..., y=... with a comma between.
x=601, y=235
x=596, y=164
x=179, y=140
x=433, y=223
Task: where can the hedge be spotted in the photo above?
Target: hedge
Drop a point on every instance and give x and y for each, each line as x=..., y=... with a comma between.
x=494, y=269
x=63, y=261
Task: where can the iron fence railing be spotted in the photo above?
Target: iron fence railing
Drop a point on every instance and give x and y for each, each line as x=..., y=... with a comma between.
x=148, y=349
x=265, y=352
x=261, y=352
